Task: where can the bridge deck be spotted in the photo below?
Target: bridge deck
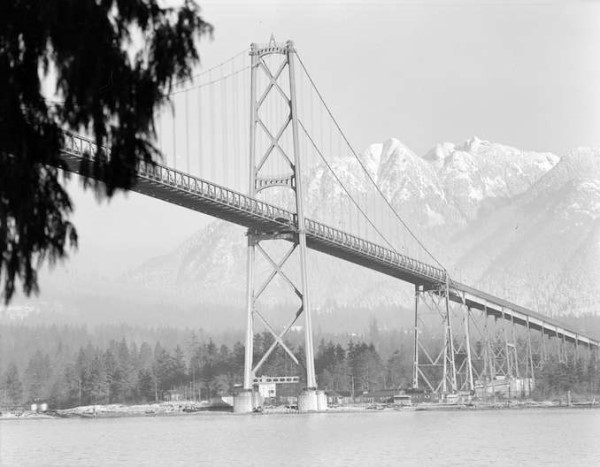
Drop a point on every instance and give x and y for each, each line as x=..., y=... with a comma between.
x=176, y=187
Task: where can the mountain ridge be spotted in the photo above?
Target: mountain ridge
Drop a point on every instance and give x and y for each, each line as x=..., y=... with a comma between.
x=489, y=211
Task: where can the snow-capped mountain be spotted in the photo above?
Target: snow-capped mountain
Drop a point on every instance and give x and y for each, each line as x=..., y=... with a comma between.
x=520, y=224
x=543, y=247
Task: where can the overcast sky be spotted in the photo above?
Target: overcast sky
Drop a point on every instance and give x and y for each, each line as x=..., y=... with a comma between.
x=523, y=73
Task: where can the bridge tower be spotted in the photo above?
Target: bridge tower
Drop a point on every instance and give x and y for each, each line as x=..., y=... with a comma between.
x=435, y=366
x=274, y=144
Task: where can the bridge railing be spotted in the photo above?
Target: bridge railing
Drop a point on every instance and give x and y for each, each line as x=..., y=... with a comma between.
x=82, y=146
x=193, y=185
x=268, y=211
x=371, y=249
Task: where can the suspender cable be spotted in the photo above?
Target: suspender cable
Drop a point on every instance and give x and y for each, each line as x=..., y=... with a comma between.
x=205, y=72
x=343, y=186
x=187, y=131
x=242, y=122
x=364, y=168
x=200, y=139
x=234, y=129
x=160, y=134
x=210, y=82
x=174, y=138
x=224, y=154
x=211, y=123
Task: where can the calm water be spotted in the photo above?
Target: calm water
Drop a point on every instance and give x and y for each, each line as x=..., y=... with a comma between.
x=562, y=437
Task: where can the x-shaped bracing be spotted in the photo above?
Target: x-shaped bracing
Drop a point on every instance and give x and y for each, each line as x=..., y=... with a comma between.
x=274, y=143
x=277, y=270
x=272, y=81
x=445, y=356
x=274, y=139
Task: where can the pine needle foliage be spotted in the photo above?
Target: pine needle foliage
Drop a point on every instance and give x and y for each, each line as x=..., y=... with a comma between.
x=111, y=65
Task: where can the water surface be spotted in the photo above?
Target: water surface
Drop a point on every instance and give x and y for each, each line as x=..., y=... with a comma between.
x=527, y=437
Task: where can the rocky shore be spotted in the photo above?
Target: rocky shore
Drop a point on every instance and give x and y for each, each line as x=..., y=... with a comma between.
x=193, y=407
x=121, y=410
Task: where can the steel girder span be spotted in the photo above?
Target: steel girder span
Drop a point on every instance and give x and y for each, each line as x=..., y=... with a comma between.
x=176, y=187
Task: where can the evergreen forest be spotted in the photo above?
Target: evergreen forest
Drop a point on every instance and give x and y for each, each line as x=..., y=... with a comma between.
x=67, y=366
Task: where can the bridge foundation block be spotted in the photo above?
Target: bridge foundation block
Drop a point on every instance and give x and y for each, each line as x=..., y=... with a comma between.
x=257, y=400
x=321, y=401
x=243, y=402
x=308, y=401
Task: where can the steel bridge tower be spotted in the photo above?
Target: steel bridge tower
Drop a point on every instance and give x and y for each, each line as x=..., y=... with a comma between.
x=436, y=368
x=275, y=136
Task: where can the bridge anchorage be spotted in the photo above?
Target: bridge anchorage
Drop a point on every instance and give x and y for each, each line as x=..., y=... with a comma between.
x=466, y=342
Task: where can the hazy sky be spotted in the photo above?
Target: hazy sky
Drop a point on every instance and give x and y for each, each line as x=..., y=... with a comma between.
x=523, y=73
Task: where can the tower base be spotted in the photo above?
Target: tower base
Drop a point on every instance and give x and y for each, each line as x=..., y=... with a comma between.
x=321, y=401
x=307, y=401
x=242, y=402
x=257, y=400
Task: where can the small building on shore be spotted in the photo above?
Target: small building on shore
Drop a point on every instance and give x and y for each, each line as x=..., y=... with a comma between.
x=402, y=400
x=172, y=395
x=276, y=389
x=505, y=387
x=379, y=396
x=335, y=398
x=419, y=395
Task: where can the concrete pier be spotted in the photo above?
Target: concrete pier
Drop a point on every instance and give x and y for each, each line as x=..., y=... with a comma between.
x=242, y=402
x=257, y=400
x=307, y=401
x=321, y=401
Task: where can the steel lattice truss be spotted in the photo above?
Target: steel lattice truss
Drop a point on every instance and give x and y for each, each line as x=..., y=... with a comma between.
x=262, y=178
x=481, y=352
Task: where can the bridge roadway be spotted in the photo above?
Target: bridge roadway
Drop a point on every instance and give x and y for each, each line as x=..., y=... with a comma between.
x=173, y=186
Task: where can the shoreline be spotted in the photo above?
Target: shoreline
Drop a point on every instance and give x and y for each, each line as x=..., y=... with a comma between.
x=185, y=408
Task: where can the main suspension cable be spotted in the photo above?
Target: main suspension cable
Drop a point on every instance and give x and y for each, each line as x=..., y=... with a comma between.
x=326, y=162
x=363, y=166
x=198, y=75
x=208, y=83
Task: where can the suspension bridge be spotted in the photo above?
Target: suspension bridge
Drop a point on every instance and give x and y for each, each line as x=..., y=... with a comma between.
x=243, y=143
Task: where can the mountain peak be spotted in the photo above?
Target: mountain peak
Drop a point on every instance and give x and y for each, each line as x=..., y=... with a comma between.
x=472, y=145
x=479, y=206
x=439, y=153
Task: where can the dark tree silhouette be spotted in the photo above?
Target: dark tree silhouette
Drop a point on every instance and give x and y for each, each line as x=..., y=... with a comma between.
x=112, y=63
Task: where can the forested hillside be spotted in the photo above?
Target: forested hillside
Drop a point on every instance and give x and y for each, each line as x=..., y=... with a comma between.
x=69, y=366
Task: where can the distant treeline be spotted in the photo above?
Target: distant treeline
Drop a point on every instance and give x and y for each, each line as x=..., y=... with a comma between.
x=128, y=373
x=69, y=366
x=580, y=376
